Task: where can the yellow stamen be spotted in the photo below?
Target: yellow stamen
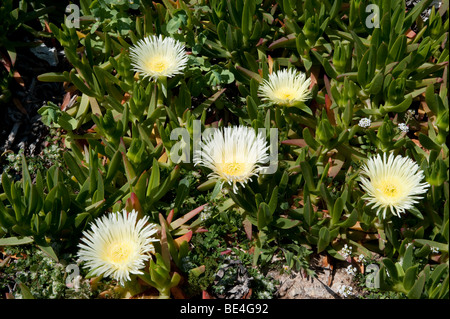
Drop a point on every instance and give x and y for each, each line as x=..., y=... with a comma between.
x=285, y=94
x=389, y=190
x=118, y=252
x=157, y=64
x=233, y=168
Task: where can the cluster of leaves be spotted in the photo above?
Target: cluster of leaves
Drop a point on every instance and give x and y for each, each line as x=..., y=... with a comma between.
x=28, y=272
x=211, y=250
x=20, y=17
x=118, y=131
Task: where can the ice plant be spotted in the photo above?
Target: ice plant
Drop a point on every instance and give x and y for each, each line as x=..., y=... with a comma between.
x=392, y=183
x=117, y=245
x=234, y=154
x=286, y=87
x=156, y=57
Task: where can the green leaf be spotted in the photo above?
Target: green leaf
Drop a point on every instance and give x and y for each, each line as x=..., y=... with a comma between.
x=52, y=77
x=286, y=223
x=74, y=168
x=13, y=241
x=337, y=210
x=308, y=211
x=113, y=167
x=408, y=257
x=431, y=99
x=362, y=69
x=26, y=293
x=80, y=218
x=437, y=274
x=252, y=108
x=444, y=288
x=376, y=84
x=417, y=288
x=247, y=15
x=391, y=269
x=350, y=221
x=6, y=184
x=410, y=277
x=307, y=175
x=442, y=247
x=216, y=190
x=309, y=139
x=329, y=69
x=264, y=216
x=273, y=200
x=424, y=251
x=324, y=239
x=46, y=248
x=182, y=192
x=402, y=107
x=428, y=143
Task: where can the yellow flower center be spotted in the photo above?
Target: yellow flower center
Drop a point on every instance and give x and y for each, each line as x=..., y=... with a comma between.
x=389, y=190
x=118, y=252
x=233, y=168
x=286, y=94
x=157, y=64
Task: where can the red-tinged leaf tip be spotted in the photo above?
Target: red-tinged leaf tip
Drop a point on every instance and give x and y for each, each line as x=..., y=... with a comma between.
x=295, y=142
x=206, y=295
x=226, y=252
x=170, y=216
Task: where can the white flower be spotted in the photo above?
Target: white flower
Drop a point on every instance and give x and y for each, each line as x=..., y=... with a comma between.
x=435, y=250
x=286, y=87
x=403, y=127
x=351, y=270
x=204, y=216
x=393, y=183
x=346, y=251
x=117, y=245
x=156, y=57
x=233, y=154
x=362, y=258
x=364, y=122
x=345, y=291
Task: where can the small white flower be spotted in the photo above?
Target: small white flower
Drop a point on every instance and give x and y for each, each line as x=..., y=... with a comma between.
x=435, y=250
x=364, y=122
x=205, y=215
x=403, y=127
x=351, y=270
x=345, y=291
x=117, y=245
x=156, y=57
x=392, y=183
x=346, y=251
x=234, y=154
x=362, y=258
x=286, y=87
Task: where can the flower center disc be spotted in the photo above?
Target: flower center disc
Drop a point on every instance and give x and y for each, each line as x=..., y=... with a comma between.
x=233, y=168
x=157, y=64
x=118, y=252
x=390, y=190
x=285, y=94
